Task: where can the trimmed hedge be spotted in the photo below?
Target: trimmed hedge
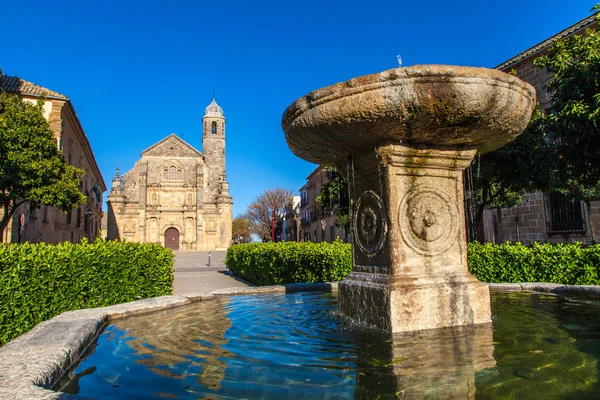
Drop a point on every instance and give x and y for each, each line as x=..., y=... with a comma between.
x=40, y=281
x=567, y=264
x=289, y=262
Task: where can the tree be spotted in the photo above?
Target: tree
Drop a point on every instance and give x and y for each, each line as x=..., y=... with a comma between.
x=334, y=197
x=260, y=211
x=31, y=167
x=242, y=229
x=559, y=150
x=573, y=120
x=497, y=179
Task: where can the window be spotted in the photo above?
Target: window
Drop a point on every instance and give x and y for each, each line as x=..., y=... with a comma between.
x=166, y=174
x=172, y=173
x=564, y=216
x=78, y=218
x=69, y=217
x=179, y=174
x=214, y=128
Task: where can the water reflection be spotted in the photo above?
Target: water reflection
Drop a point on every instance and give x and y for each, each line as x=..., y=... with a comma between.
x=439, y=363
x=180, y=342
x=539, y=343
x=297, y=346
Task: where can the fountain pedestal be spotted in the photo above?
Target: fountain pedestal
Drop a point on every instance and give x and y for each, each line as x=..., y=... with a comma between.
x=403, y=138
x=410, y=256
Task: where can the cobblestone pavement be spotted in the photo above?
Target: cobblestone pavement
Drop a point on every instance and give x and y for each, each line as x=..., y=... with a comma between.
x=194, y=273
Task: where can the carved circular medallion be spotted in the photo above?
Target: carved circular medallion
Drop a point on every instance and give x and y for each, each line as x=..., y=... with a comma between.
x=369, y=223
x=428, y=220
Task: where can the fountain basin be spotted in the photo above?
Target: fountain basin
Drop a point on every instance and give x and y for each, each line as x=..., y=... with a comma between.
x=403, y=138
x=436, y=105
x=550, y=348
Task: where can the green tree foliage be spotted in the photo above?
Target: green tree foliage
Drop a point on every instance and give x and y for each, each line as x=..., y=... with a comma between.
x=334, y=197
x=559, y=150
x=242, y=228
x=573, y=120
x=31, y=166
x=525, y=164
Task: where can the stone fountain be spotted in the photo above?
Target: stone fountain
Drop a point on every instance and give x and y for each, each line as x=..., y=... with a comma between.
x=402, y=138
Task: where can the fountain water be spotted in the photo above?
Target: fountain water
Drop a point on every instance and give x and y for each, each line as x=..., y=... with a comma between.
x=403, y=138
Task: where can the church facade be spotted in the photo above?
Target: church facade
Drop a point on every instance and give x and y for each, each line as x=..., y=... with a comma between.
x=176, y=195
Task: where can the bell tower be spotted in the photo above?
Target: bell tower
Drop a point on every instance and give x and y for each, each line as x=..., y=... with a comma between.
x=213, y=148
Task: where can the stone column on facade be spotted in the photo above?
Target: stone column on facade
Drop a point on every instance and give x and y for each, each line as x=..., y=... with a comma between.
x=114, y=201
x=225, y=204
x=403, y=138
x=142, y=197
x=199, y=207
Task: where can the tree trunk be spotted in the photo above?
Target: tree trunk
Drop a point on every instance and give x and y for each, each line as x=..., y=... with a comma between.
x=588, y=205
x=8, y=213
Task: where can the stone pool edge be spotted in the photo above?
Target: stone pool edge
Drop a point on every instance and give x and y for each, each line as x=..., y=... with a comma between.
x=38, y=359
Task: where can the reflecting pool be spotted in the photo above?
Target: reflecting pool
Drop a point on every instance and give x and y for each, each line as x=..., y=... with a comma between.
x=296, y=346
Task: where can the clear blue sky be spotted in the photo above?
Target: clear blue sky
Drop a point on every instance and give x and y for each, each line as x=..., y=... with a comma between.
x=137, y=71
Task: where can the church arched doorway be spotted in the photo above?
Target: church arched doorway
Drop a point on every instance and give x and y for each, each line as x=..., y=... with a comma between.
x=172, y=239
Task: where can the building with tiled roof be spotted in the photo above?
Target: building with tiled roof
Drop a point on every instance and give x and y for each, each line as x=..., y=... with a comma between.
x=48, y=224
x=543, y=217
x=538, y=49
x=522, y=63
x=14, y=84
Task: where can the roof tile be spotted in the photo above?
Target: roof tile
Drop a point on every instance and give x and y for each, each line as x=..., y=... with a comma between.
x=14, y=84
x=584, y=23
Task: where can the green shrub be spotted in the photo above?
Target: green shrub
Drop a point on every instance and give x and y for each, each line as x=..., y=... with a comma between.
x=289, y=262
x=40, y=281
x=568, y=264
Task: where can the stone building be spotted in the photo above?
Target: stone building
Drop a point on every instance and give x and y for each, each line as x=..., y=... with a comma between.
x=541, y=216
x=316, y=224
x=176, y=195
x=48, y=224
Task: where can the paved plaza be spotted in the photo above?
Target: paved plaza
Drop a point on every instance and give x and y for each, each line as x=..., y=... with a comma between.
x=196, y=272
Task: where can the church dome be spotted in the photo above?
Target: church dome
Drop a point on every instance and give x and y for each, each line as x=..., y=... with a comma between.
x=213, y=109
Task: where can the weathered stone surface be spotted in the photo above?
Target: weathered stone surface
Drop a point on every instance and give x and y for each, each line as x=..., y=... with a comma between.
x=403, y=138
x=431, y=104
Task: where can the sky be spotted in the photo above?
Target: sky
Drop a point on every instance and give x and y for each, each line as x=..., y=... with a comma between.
x=137, y=71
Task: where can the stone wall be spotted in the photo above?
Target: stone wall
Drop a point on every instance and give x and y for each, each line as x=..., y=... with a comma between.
x=528, y=222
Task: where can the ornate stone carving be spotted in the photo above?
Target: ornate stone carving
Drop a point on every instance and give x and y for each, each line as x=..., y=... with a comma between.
x=174, y=200
x=428, y=220
x=369, y=222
